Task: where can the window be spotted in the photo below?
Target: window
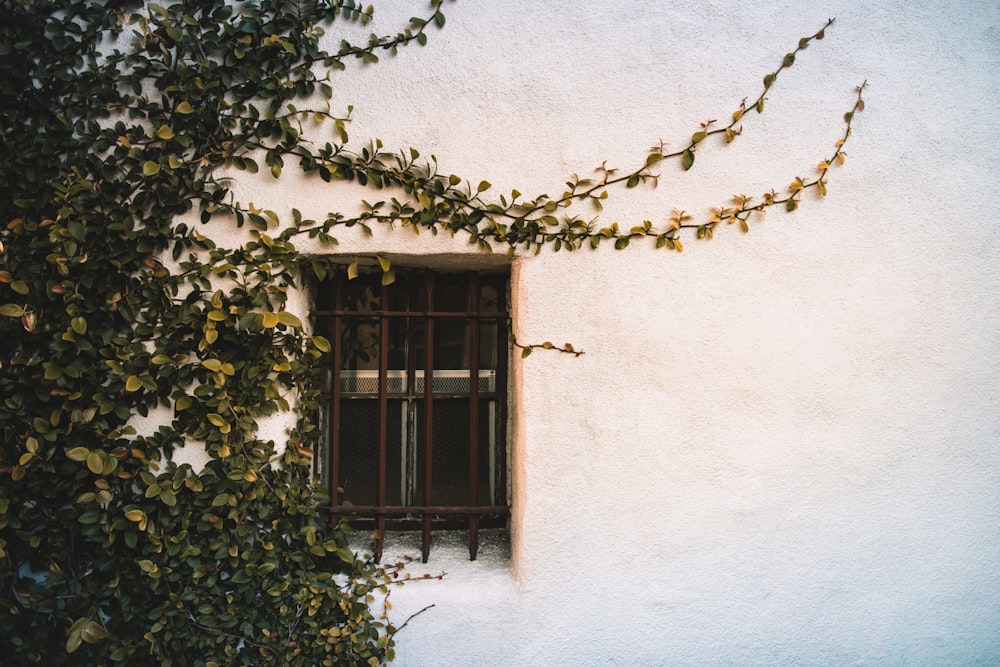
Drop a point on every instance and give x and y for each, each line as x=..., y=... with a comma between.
x=416, y=415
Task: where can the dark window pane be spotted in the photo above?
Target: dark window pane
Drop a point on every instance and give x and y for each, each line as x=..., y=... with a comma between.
x=359, y=450
x=450, y=457
x=451, y=295
x=451, y=344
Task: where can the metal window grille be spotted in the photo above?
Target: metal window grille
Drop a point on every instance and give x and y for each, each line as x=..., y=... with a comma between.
x=416, y=410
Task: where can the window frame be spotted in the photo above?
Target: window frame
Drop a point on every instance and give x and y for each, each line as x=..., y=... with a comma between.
x=427, y=516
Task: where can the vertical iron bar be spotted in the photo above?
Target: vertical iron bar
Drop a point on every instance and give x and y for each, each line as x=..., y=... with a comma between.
x=501, y=391
x=334, y=424
x=428, y=414
x=383, y=414
x=473, y=415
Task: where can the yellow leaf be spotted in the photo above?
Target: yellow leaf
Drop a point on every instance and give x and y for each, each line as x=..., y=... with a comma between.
x=290, y=320
x=133, y=383
x=270, y=320
x=78, y=454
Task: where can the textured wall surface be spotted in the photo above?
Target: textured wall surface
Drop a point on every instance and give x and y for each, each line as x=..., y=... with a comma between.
x=780, y=447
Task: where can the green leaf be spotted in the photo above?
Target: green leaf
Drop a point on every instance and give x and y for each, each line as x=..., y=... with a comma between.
x=687, y=159
x=78, y=454
x=95, y=462
x=11, y=310
x=20, y=287
x=168, y=497
x=289, y=319
x=213, y=365
x=79, y=325
x=698, y=137
x=321, y=344
x=93, y=632
x=483, y=186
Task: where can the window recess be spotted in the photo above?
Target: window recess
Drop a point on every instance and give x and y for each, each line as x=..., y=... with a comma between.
x=416, y=402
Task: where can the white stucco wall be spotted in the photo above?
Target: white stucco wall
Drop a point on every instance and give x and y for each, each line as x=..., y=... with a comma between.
x=781, y=447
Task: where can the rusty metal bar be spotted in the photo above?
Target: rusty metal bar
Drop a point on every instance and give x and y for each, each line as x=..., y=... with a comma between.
x=438, y=315
x=443, y=510
x=383, y=419
x=334, y=425
x=500, y=390
x=425, y=540
x=473, y=415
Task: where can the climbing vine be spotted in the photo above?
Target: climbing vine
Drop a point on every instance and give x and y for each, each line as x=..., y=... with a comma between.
x=121, y=122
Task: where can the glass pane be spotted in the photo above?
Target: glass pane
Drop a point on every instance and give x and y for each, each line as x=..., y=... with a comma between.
x=363, y=293
x=451, y=344
x=417, y=483
x=359, y=431
x=488, y=346
x=360, y=345
x=359, y=450
x=451, y=294
x=488, y=296
x=395, y=452
x=450, y=456
x=490, y=454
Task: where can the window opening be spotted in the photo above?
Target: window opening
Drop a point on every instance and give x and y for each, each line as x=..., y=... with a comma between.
x=416, y=402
